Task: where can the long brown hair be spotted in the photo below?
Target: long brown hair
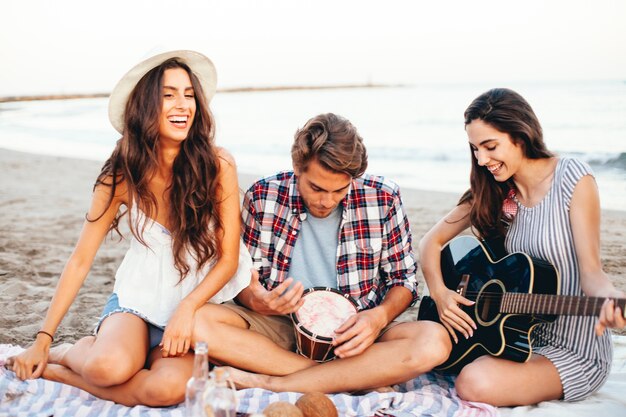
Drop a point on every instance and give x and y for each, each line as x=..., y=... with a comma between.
x=508, y=112
x=194, y=221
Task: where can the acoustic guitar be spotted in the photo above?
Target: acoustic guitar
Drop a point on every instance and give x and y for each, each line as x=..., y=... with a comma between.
x=512, y=296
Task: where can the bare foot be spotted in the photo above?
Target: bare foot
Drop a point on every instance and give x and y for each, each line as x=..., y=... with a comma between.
x=57, y=353
x=243, y=379
x=388, y=388
x=381, y=390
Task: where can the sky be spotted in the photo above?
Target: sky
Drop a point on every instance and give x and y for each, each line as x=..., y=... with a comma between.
x=78, y=46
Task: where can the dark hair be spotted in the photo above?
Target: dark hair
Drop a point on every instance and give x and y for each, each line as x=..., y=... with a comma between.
x=334, y=142
x=508, y=112
x=194, y=220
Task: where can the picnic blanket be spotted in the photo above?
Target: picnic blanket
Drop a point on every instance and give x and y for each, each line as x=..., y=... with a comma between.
x=431, y=394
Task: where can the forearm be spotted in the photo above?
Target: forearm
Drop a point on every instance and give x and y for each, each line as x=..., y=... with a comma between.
x=430, y=260
x=598, y=284
x=245, y=297
x=228, y=236
x=69, y=284
x=250, y=238
x=398, y=266
x=213, y=282
x=396, y=301
x=430, y=264
x=430, y=246
x=397, y=261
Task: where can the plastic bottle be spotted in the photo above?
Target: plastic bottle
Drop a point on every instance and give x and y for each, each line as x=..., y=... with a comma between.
x=198, y=382
x=220, y=396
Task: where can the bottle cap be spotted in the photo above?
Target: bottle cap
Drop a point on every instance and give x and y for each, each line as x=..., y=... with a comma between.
x=201, y=347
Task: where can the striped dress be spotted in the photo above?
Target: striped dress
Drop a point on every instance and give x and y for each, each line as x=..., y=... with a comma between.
x=582, y=359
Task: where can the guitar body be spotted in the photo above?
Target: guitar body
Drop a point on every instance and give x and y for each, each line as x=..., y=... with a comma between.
x=469, y=269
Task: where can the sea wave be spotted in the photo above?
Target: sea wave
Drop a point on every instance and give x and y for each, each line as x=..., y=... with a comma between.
x=617, y=162
x=602, y=160
x=597, y=159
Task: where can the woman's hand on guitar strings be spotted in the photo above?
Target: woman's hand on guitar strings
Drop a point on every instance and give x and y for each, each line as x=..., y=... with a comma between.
x=451, y=314
x=611, y=316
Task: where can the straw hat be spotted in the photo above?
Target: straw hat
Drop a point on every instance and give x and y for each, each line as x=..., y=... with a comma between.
x=200, y=65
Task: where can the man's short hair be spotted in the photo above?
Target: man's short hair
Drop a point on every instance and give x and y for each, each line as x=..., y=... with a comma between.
x=334, y=142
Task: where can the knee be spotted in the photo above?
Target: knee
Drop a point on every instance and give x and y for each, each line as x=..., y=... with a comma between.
x=203, y=323
x=208, y=316
x=105, y=370
x=472, y=384
x=440, y=344
x=208, y=321
x=432, y=345
x=428, y=345
x=165, y=388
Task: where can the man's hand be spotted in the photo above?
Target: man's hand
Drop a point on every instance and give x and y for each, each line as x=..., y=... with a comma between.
x=281, y=300
x=358, y=333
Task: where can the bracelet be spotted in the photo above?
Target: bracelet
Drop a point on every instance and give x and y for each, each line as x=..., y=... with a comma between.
x=46, y=333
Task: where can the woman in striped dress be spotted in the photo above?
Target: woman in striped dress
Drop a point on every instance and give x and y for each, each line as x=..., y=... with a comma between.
x=547, y=207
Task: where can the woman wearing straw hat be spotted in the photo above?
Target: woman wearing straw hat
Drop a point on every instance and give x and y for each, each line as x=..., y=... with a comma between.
x=180, y=194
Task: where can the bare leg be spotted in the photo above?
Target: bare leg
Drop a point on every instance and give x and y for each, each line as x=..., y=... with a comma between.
x=161, y=385
x=111, y=358
x=57, y=353
x=505, y=383
x=404, y=352
x=235, y=344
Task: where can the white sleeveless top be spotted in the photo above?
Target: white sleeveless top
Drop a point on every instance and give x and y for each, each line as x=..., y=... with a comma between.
x=148, y=282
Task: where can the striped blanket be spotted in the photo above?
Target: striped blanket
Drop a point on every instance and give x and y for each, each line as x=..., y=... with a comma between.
x=429, y=395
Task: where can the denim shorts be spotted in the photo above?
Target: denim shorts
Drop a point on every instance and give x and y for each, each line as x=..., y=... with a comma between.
x=155, y=333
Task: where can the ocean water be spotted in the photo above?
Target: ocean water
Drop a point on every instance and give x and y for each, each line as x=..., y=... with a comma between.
x=414, y=134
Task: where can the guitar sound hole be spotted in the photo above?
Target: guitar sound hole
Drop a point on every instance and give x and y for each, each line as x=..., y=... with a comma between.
x=488, y=303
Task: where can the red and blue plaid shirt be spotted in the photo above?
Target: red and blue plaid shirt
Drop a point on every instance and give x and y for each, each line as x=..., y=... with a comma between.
x=374, y=253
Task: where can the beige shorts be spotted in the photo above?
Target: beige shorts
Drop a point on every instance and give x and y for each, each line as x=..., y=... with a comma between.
x=278, y=329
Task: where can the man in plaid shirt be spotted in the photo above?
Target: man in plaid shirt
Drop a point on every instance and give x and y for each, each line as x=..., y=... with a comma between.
x=325, y=224
x=374, y=253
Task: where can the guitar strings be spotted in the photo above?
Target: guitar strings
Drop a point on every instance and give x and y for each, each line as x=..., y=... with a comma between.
x=556, y=303
x=491, y=294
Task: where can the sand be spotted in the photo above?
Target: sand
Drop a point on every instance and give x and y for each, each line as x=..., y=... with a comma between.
x=43, y=201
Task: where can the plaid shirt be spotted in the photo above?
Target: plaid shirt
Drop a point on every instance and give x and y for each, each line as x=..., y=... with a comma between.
x=374, y=253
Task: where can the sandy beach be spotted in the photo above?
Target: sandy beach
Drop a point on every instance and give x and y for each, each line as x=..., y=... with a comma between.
x=43, y=201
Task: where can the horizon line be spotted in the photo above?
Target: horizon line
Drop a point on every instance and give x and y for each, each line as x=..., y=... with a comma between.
x=249, y=89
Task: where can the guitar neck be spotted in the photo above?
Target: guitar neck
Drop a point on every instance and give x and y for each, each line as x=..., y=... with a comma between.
x=550, y=304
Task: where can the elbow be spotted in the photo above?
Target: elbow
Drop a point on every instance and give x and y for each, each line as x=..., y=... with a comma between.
x=431, y=243
x=78, y=264
x=423, y=244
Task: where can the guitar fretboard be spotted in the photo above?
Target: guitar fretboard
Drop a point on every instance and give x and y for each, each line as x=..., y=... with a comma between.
x=567, y=305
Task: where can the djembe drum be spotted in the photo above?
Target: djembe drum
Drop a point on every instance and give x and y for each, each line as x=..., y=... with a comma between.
x=323, y=311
